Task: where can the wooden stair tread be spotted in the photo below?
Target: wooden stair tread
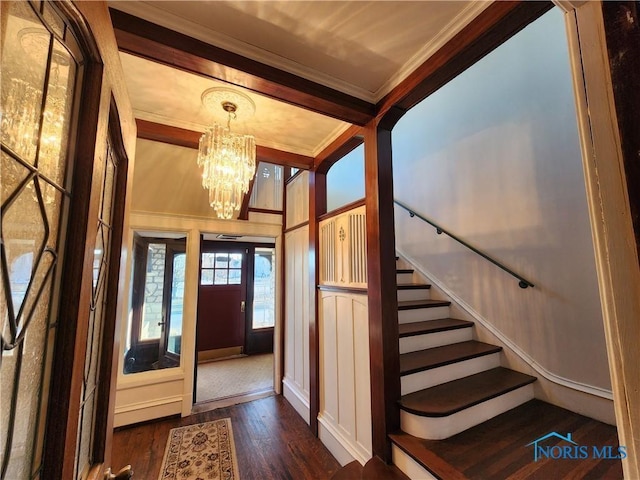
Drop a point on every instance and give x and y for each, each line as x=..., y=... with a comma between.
x=495, y=449
x=415, y=448
x=413, y=286
x=413, y=362
x=432, y=326
x=351, y=471
x=413, y=304
x=376, y=469
x=404, y=270
x=451, y=397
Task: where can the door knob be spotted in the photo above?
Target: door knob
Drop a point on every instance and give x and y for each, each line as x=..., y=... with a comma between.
x=242, y=306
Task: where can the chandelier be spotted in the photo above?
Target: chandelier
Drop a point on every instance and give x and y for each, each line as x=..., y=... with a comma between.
x=228, y=159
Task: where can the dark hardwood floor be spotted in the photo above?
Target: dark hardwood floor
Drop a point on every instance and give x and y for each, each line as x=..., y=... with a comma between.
x=272, y=442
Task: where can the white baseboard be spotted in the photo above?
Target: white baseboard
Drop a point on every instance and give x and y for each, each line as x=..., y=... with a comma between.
x=150, y=410
x=297, y=399
x=339, y=446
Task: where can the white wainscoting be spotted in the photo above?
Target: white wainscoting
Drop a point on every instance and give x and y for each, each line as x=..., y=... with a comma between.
x=345, y=381
x=298, y=296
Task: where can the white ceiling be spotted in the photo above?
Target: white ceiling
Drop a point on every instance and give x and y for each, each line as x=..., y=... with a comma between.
x=362, y=48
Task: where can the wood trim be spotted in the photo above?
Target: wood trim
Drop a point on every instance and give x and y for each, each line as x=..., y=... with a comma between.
x=317, y=206
x=338, y=148
x=336, y=288
x=384, y=354
x=244, y=208
x=293, y=177
x=183, y=137
x=602, y=129
x=265, y=210
x=495, y=25
x=71, y=337
x=167, y=134
x=280, y=157
x=295, y=227
x=105, y=403
x=162, y=45
x=341, y=210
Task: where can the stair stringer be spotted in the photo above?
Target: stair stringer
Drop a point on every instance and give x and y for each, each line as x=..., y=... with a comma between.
x=594, y=402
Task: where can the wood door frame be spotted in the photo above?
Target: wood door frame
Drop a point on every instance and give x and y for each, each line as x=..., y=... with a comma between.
x=97, y=120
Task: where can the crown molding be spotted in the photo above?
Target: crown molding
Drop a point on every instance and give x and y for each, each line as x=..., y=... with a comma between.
x=445, y=34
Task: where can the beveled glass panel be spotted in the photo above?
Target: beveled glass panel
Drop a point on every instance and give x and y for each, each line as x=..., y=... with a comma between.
x=13, y=173
x=107, y=194
x=24, y=64
x=56, y=120
x=23, y=230
x=53, y=199
x=98, y=255
x=84, y=447
x=26, y=415
x=53, y=19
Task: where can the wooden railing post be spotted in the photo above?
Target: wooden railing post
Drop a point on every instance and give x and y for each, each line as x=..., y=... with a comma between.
x=383, y=305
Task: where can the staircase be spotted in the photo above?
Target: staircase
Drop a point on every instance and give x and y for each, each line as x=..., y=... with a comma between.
x=449, y=381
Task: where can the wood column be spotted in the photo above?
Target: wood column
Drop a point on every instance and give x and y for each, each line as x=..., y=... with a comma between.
x=317, y=206
x=381, y=271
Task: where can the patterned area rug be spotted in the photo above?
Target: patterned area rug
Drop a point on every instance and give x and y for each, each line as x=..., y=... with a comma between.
x=204, y=451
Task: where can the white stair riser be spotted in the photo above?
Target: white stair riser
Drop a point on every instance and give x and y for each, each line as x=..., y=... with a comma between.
x=413, y=294
x=409, y=466
x=404, y=278
x=437, y=339
x=422, y=314
x=436, y=376
x=438, y=428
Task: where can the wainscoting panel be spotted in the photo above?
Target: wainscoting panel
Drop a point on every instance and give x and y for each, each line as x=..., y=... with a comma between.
x=297, y=298
x=345, y=392
x=343, y=249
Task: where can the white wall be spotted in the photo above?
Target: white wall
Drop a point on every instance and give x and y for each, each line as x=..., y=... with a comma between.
x=345, y=179
x=299, y=297
x=494, y=157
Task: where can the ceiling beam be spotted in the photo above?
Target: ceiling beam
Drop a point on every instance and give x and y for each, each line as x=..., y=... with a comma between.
x=492, y=27
x=168, y=47
x=191, y=139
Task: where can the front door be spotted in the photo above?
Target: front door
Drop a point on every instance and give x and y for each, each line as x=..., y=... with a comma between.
x=222, y=297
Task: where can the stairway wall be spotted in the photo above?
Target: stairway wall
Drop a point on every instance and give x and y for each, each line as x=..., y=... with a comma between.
x=494, y=157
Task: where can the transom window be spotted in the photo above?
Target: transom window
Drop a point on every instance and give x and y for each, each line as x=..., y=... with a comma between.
x=221, y=268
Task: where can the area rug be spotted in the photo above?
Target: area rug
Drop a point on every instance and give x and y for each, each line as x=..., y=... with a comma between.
x=204, y=451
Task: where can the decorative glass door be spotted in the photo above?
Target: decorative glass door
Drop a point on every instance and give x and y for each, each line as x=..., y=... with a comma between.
x=40, y=71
